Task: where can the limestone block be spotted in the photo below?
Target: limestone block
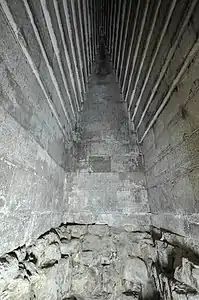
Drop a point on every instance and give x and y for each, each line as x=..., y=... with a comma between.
x=111, y=280
x=193, y=297
x=17, y=289
x=142, y=250
x=70, y=247
x=86, y=281
x=92, y=242
x=101, y=230
x=77, y=231
x=43, y=284
x=64, y=277
x=188, y=273
x=9, y=267
x=21, y=253
x=46, y=250
x=63, y=232
x=88, y=258
x=135, y=271
x=165, y=255
x=132, y=288
x=50, y=256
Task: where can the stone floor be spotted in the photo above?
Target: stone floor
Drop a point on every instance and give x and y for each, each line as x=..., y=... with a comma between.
x=90, y=262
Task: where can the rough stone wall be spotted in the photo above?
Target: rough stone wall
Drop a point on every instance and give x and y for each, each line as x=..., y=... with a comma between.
x=171, y=159
x=36, y=117
x=101, y=262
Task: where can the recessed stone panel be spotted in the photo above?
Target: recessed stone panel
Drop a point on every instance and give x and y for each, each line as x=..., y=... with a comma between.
x=100, y=164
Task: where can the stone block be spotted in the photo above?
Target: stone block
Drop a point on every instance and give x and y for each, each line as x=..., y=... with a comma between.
x=50, y=256
x=63, y=232
x=13, y=231
x=85, y=281
x=6, y=176
x=100, y=164
x=9, y=268
x=9, y=143
x=43, y=284
x=70, y=247
x=77, y=231
x=100, y=230
x=17, y=289
x=64, y=277
x=20, y=195
x=135, y=271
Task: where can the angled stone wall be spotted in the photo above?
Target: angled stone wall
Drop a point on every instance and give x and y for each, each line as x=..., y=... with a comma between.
x=107, y=184
x=43, y=79
x=171, y=159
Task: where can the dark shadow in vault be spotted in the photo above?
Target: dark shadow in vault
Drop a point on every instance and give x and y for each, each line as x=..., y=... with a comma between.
x=102, y=63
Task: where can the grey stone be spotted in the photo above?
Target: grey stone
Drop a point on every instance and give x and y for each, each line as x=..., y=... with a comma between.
x=43, y=284
x=131, y=288
x=18, y=289
x=21, y=254
x=50, y=256
x=85, y=281
x=100, y=229
x=100, y=164
x=188, y=273
x=63, y=232
x=88, y=258
x=9, y=267
x=115, y=265
x=70, y=247
x=165, y=255
x=41, y=137
x=77, y=231
x=177, y=296
x=64, y=277
x=97, y=243
x=46, y=250
x=135, y=271
x=192, y=297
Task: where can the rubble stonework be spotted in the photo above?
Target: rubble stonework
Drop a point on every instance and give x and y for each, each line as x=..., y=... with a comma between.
x=101, y=262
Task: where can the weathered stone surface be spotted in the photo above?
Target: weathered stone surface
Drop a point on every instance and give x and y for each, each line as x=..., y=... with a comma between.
x=118, y=264
x=77, y=231
x=101, y=230
x=165, y=255
x=70, y=247
x=188, y=273
x=46, y=250
x=50, y=256
x=135, y=270
x=39, y=137
x=63, y=232
x=21, y=254
x=17, y=289
x=64, y=277
x=108, y=181
x=43, y=284
x=85, y=281
x=9, y=267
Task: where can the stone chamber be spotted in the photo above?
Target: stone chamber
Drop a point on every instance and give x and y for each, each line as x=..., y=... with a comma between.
x=99, y=149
